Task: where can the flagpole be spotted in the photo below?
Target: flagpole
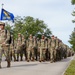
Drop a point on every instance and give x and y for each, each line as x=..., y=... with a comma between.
x=2, y=5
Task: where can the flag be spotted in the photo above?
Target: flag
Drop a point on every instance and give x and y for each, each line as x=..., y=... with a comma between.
x=5, y=15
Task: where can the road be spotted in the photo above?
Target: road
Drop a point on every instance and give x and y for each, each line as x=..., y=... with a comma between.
x=35, y=68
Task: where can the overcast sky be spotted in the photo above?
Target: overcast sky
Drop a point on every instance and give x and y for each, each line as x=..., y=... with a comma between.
x=55, y=13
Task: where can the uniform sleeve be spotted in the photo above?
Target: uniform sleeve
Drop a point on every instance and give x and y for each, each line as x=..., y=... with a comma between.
x=8, y=37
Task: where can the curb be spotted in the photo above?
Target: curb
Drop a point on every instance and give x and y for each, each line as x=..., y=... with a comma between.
x=68, y=65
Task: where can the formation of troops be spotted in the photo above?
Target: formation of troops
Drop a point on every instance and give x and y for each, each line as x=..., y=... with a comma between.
x=31, y=49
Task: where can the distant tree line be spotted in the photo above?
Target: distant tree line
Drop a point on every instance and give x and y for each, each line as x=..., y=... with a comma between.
x=29, y=25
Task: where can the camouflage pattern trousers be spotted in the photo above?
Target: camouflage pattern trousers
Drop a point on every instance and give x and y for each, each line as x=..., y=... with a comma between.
x=42, y=53
x=52, y=54
x=6, y=51
x=30, y=50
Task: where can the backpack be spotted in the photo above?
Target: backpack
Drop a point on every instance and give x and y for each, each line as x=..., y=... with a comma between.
x=9, y=40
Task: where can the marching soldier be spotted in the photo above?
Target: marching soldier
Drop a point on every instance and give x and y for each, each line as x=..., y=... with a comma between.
x=35, y=47
x=56, y=48
x=18, y=48
x=42, y=49
x=12, y=49
x=23, y=48
x=52, y=49
x=4, y=44
x=30, y=49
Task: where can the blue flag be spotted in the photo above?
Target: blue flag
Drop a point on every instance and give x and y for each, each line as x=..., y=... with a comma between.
x=5, y=15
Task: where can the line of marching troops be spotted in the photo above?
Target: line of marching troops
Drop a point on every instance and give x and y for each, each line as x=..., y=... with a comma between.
x=32, y=49
x=43, y=49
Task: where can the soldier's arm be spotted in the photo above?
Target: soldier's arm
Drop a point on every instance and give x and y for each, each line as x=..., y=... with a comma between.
x=8, y=37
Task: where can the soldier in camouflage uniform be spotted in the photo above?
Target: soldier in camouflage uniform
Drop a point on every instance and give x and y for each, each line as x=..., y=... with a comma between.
x=46, y=47
x=42, y=49
x=56, y=48
x=52, y=49
x=4, y=44
x=30, y=49
x=12, y=48
x=23, y=48
x=35, y=46
x=18, y=46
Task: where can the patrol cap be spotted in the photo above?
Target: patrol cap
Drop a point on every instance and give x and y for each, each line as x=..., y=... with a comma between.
x=2, y=24
x=43, y=35
x=19, y=33
x=56, y=37
x=52, y=36
x=30, y=35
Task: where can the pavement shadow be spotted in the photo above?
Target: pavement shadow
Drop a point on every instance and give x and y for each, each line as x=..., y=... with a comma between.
x=65, y=60
x=26, y=65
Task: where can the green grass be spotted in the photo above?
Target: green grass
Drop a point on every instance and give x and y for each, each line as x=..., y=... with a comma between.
x=71, y=69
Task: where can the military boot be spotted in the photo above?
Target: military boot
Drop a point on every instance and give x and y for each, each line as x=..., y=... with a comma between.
x=51, y=61
x=32, y=59
x=8, y=64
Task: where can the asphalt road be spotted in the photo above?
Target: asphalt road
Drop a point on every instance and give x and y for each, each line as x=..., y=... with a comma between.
x=35, y=68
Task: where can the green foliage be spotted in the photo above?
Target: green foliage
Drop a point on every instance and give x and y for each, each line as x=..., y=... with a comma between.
x=73, y=2
x=71, y=69
x=28, y=25
x=72, y=39
x=48, y=33
x=73, y=14
x=8, y=27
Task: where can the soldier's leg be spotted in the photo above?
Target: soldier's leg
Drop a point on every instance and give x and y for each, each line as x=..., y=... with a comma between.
x=25, y=53
x=36, y=54
x=44, y=54
x=32, y=51
x=21, y=55
x=41, y=54
x=17, y=55
x=47, y=54
x=28, y=54
x=54, y=55
x=51, y=55
x=0, y=56
x=13, y=54
x=7, y=55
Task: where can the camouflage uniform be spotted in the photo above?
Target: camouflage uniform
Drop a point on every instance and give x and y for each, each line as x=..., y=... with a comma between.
x=30, y=49
x=35, y=46
x=46, y=48
x=57, y=51
x=18, y=47
x=64, y=51
x=42, y=49
x=52, y=49
x=4, y=44
x=12, y=49
x=23, y=48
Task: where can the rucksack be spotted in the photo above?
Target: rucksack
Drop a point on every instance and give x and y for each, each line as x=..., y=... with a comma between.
x=9, y=40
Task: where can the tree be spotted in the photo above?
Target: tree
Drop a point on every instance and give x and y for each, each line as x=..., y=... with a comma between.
x=72, y=39
x=48, y=33
x=29, y=25
x=8, y=27
x=73, y=2
x=73, y=13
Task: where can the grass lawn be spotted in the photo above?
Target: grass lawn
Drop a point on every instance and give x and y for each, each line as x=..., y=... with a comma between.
x=71, y=69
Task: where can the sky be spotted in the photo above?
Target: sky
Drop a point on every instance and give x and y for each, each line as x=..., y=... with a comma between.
x=55, y=13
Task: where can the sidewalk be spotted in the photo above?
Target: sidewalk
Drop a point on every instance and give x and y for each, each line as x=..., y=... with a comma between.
x=35, y=68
